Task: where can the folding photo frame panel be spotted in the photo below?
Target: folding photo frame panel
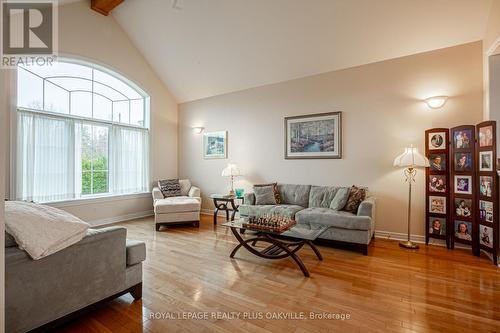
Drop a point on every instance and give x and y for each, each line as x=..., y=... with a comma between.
x=486, y=227
x=437, y=185
x=463, y=186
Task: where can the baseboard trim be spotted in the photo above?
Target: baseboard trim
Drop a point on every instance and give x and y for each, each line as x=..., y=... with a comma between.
x=121, y=218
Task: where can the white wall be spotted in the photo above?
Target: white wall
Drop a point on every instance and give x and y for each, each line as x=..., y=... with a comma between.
x=382, y=114
x=88, y=35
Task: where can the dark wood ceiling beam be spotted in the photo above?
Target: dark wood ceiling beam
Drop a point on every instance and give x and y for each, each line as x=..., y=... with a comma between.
x=104, y=7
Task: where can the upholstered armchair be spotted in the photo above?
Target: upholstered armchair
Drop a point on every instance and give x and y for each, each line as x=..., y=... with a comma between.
x=177, y=210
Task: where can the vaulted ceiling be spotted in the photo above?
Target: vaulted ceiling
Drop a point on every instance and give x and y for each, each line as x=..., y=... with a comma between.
x=202, y=48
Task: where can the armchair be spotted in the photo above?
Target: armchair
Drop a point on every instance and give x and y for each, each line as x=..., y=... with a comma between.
x=177, y=210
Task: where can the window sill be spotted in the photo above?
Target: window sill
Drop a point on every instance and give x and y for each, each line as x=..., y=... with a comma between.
x=97, y=199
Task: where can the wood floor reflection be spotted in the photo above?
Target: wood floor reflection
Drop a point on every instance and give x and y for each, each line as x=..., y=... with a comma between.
x=188, y=272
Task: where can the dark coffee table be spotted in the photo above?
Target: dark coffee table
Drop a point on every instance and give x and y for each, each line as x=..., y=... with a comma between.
x=281, y=245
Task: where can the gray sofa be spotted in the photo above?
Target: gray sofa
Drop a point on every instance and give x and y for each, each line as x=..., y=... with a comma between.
x=310, y=204
x=46, y=292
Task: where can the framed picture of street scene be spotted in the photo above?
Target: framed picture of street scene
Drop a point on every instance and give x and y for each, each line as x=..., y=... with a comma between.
x=313, y=136
x=215, y=145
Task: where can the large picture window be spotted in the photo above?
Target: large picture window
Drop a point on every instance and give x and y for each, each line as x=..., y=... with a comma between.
x=82, y=131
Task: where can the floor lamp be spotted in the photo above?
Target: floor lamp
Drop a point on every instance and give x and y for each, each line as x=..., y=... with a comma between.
x=410, y=160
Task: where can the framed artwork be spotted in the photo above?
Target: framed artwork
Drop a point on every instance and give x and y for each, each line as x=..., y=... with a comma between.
x=485, y=161
x=463, y=230
x=437, y=183
x=437, y=141
x=463, y=184
x=314, y=136
x=486, y=136
x=485, y=186
x=462, y=139
x=215, y=145
x=463, y=161
x=437, y=226
x=437, y=205
x=437, y=162
x=486, y=211
x=485, y=235
x=463, y=207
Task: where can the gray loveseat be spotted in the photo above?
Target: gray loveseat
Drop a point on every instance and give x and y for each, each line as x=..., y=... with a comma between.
x=46, y=292
x=311, y=204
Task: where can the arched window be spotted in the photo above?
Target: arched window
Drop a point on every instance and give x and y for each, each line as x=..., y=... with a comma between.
x=82, y=130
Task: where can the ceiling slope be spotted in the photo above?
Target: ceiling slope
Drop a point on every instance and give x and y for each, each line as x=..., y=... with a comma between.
x=202, y=48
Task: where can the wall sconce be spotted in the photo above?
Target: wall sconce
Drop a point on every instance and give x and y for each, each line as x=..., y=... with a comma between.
x=198, y=130
x=436, y=102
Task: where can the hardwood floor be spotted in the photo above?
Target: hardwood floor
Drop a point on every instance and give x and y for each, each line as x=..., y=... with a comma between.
x=188, y=271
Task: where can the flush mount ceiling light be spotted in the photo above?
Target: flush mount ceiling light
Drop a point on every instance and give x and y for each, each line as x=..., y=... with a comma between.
x=436, y=102
x=198, y=130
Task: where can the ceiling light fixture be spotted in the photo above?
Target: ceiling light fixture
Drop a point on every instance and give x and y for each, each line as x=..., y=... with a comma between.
x=436, y=102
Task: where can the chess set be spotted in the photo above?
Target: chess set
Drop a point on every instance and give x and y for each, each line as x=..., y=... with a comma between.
x=271, y=223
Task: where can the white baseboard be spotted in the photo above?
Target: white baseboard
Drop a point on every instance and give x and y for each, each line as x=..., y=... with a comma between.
x=121, y=218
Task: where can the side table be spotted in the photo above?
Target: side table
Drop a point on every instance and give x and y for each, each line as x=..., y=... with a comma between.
x=225, y=203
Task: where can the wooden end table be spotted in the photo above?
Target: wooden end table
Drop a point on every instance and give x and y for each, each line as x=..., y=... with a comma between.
x=225, y=203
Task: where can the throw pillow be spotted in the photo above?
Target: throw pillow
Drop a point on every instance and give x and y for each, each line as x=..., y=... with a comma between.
x=264, y=195
x=356, y=197
x=276, y=193
x=340, y=199
x=170, y=187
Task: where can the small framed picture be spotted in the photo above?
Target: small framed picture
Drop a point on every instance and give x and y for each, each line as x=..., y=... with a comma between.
x=437, y=183
x=463, y=207
x=437, y=226
x=485, y=161
x=463, y=161
x=486, y=136
x=463, y=230
x=437, y=162
x=486, y=186
x=462, y=139
x=486, y=211
x=485, y=235
x=463, y=184
x=437, y=205
x=437, y=141
x=215, y=145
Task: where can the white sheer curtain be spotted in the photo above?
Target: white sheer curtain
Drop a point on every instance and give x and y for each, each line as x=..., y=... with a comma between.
x=45, y=167
x=129, y=162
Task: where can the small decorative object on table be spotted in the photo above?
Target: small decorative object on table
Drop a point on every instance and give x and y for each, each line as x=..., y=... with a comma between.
x=272, y=223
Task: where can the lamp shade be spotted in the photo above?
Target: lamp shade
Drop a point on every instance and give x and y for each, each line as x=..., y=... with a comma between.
x=411, y=158
x=231, y=170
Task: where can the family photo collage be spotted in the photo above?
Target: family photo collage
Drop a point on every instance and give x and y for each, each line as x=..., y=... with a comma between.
x=461, y=187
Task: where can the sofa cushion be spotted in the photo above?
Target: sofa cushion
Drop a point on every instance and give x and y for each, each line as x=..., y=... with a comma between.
x=176, y=205
x=185, y=186
x=294, y=194
x=322, y=196
x=264, y=195
x=275, y=191
x=356, y=197
x=136, y=252
x=338, y=219
x=340, y=199
x=170, y=187
x=284, y=210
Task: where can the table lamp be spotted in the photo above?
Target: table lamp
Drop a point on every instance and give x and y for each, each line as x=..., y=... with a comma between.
x=410, y=160
x=231, y=171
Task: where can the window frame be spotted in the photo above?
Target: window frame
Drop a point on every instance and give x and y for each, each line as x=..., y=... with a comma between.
x=82, y=199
